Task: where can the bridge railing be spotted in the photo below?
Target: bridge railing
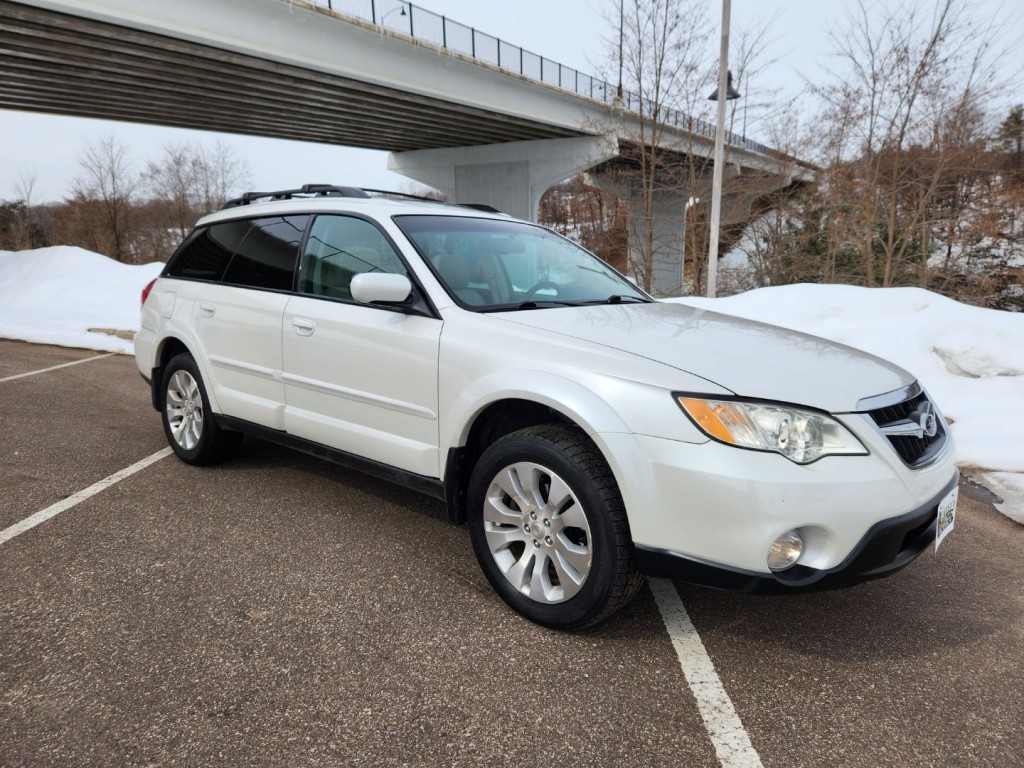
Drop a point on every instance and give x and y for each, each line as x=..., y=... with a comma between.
x=420, y=24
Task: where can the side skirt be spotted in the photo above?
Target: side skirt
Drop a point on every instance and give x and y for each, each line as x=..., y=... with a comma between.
x=431, y=486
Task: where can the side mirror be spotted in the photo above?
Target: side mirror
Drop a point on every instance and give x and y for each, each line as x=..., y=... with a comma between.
x=380, y=288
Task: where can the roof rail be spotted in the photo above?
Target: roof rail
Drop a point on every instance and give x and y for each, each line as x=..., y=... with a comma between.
x=306, y=190
x=406, y=195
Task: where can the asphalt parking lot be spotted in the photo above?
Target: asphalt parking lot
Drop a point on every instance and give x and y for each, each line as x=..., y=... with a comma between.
x=278, y=610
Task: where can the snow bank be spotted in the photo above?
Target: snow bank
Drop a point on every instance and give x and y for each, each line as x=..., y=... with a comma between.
x=1010, y=487
x=55, y=295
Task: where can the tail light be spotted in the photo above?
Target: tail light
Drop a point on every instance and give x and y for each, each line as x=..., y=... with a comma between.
x=147, y=289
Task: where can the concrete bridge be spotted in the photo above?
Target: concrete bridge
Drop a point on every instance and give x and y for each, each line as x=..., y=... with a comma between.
x=473, y=116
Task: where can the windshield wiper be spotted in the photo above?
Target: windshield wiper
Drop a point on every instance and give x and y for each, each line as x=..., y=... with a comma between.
x=617, y=299
x=548, y=304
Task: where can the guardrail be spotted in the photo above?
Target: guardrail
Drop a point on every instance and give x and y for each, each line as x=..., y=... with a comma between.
x=420, y=24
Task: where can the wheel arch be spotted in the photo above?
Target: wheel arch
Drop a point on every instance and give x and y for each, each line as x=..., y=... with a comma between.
x=527, y=399
x=166, y=349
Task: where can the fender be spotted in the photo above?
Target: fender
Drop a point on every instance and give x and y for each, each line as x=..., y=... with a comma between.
x=183, y=334
x=568, y=397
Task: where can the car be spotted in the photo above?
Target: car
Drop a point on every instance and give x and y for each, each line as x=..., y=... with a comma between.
x=587, y=434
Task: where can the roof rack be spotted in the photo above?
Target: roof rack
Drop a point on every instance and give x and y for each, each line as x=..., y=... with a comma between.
x=330, y=190
x=306, y=190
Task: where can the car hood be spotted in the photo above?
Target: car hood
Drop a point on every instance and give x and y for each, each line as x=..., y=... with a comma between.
x=749, y=358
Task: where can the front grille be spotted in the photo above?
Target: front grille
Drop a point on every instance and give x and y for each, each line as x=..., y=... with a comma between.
x=915, y=451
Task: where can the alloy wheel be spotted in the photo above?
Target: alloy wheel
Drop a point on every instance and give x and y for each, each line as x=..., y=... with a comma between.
x=537, y=532
x=185, y=412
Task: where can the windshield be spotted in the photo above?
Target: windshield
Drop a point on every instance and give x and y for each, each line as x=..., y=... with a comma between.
x=490, y=265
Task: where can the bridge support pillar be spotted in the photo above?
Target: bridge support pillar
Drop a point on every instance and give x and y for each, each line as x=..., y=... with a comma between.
x=661, y=228
x=668, y=214
x=511, y=176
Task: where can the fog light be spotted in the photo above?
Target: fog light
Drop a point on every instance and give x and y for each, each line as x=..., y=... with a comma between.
x=785, y=551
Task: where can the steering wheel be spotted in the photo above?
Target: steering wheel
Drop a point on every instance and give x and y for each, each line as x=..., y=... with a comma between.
x=539, y=287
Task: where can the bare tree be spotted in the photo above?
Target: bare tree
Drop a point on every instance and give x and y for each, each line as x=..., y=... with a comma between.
x=172, y=180
x=108, y=184
x=902, y=116
x=19, y=229
x=669, y=66
x=220, y=174
x=193, y=180
x=664, y=57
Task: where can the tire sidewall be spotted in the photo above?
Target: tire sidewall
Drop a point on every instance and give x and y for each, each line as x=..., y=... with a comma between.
x=596, y=590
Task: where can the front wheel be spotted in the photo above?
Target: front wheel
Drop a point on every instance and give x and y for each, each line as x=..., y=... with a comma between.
x=189, y=423
x=549, y=528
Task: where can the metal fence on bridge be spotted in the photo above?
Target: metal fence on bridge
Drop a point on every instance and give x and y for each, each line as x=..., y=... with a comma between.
x=420, y=24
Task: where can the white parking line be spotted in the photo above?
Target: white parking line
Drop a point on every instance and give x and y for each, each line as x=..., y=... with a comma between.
x=732, y=744
x=55, y=367
x=55, y=509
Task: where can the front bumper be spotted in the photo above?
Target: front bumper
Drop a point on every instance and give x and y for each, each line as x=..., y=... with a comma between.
x=888, y=546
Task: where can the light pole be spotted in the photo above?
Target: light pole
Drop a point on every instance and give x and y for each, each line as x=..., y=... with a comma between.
x=723, y=93
x=622, y=19
x=746, y=101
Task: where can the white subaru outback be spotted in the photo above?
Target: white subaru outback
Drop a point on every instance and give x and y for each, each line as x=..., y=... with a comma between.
x=587, y=433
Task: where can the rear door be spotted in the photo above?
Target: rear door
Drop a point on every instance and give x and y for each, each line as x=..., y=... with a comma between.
x=359, y=378
x=238, y=322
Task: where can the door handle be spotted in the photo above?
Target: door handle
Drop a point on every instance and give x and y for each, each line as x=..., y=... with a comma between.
x=303, y=327
x=208, y=309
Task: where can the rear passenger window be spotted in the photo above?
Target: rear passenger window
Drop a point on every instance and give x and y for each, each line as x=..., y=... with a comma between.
x=268, y=254
x=206, y=253
x=340, y=247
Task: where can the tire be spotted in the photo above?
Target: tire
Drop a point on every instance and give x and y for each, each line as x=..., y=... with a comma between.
x=549, y=528
x=189, y=423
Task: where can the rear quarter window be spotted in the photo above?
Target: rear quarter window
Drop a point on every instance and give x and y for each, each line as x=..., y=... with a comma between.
x=268, y=255
x=205, y=254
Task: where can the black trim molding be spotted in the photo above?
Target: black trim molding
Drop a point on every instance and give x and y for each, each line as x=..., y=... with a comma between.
x=431, y=486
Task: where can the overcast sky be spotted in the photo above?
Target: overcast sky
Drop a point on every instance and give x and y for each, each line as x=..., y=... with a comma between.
x=568, y=31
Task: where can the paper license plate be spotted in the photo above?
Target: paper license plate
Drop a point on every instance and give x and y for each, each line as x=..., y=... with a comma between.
x=947, y=516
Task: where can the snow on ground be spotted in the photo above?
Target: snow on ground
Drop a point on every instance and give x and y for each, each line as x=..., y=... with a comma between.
x=970, y=359
x=1009, y=486
x=56, y=295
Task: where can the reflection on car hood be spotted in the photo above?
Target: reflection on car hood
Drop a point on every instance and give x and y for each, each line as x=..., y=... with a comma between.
x=749, y=358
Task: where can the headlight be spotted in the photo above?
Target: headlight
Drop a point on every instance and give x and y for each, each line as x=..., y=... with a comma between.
x=801, y=436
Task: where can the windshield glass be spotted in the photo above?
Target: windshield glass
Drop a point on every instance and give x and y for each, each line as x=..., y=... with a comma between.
x=489, y=265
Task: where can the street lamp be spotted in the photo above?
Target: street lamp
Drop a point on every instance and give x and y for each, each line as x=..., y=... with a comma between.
x=400, y=7
x=724, y=93
x=731, y=94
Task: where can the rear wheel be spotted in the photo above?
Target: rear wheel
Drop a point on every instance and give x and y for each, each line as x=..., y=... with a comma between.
x=189, y=424
x=549, y=528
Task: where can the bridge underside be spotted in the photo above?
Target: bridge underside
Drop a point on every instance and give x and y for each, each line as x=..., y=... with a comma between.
x=294, y=71
x=62, y=64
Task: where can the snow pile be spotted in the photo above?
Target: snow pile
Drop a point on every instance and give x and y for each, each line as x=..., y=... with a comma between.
x=971, y=360
x=56, y=295
x=1009, y=486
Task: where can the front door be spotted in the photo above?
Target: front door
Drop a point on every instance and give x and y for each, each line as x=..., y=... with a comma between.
x=359, y=378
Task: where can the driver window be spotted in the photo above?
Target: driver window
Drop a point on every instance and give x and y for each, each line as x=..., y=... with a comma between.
x=340, y=247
